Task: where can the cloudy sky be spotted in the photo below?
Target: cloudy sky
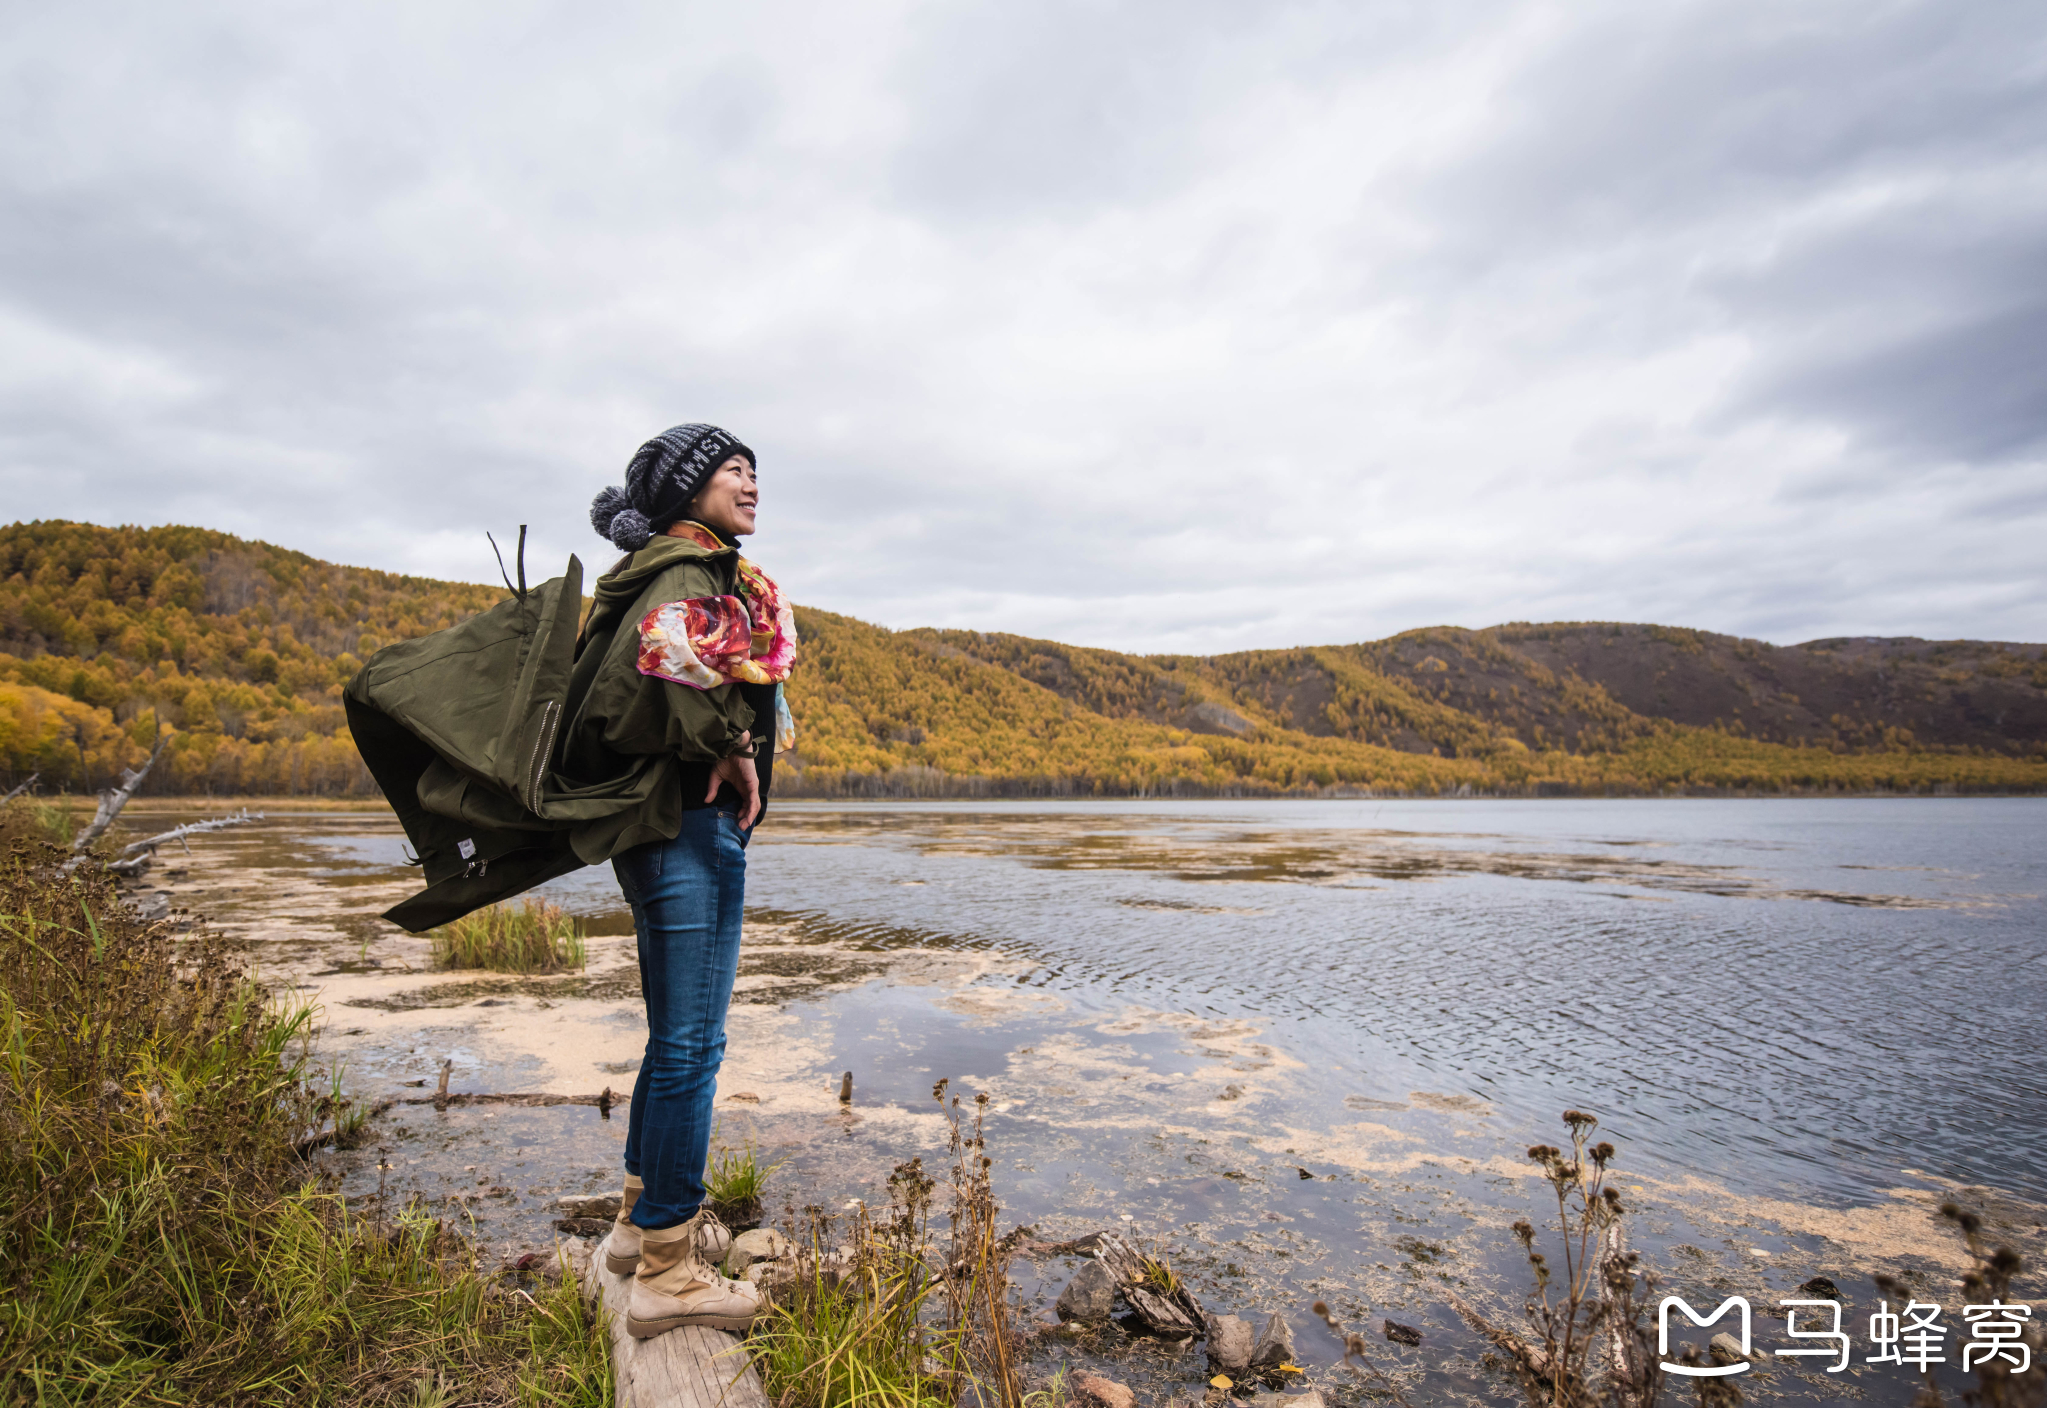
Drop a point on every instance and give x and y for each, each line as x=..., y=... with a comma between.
x=1173, y=326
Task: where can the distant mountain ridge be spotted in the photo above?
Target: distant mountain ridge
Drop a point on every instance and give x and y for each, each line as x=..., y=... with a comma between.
x=1584, y=686
x=240, y=648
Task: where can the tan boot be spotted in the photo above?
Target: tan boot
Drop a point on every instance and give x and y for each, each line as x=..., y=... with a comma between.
x=622, y=1247
x=675, y=1286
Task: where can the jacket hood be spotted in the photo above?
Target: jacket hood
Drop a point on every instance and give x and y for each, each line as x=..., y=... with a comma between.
x=623, y=587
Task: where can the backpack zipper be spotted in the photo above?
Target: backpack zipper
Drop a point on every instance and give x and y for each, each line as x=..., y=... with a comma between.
x=543, y=749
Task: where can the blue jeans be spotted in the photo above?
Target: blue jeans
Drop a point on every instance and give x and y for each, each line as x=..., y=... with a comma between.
x=687, y=896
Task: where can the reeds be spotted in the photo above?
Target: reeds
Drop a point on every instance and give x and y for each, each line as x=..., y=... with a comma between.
x=532, y=936
x=160, y=1239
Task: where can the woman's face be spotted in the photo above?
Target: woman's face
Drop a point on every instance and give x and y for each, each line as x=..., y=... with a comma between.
x=728, y=499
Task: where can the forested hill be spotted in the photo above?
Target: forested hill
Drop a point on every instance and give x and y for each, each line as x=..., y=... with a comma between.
x=240, y=650
x=1579, y=686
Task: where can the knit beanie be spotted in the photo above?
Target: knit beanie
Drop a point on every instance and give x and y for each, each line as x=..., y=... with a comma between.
x=665, y=474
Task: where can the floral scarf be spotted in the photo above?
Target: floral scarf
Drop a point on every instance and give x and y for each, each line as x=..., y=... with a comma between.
x=712, y=640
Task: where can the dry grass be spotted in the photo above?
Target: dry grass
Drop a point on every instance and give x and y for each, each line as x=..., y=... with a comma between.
x=532, y=936
x=160, y=1239
x=51, y=820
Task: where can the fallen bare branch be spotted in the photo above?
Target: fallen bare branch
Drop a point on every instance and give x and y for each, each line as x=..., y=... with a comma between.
x=603, y=1100
x=135, y=856
x=21, y=789
x=115, y=798
x=179, y=833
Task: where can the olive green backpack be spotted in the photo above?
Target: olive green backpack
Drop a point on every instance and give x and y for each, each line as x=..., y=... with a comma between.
x=459, y=728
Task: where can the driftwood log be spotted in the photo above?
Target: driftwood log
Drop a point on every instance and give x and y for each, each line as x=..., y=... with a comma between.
x=115, y=798
x=1177, y=1315
x=21, y=789
x=688, y=1368
x=1079, y=1246
x=605, y=1100
x=136, y=855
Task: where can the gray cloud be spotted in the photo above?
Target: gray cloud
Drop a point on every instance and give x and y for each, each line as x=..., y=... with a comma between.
x=1975, y=391
x=1922, y=336
x=1176, y=327
x=1857, y=190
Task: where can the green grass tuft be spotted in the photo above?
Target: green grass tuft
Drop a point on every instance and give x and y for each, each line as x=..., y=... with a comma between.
x=567, y=1353
x=1160, y=1277
x=532, y=936
x=736, y=1181
x=902, y=1322
x=857, y=1339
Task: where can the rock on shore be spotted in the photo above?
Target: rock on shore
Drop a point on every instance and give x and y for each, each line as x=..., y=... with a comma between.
x=1229, y=1343
x=1090, y=1297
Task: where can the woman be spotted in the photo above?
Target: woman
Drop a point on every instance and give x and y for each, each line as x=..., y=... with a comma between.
x=684, y=653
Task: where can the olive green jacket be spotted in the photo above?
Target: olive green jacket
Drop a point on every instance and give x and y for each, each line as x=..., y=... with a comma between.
x=515, y=749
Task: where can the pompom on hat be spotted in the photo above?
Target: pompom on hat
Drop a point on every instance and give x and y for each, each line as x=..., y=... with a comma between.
x=664, y=475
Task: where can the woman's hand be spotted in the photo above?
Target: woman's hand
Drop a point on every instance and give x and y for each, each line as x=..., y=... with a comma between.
x=740, y=772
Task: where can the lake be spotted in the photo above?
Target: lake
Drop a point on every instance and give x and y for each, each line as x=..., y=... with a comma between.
x=1299, y=1047
x=1799, y=995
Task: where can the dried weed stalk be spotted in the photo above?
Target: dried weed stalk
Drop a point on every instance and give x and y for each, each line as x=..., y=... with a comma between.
x=1595, y=1307
x=978, y=1316
x=1999, y=1382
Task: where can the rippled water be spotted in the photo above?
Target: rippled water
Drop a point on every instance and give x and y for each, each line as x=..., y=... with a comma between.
x=1806, y=994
